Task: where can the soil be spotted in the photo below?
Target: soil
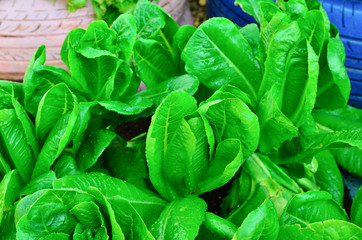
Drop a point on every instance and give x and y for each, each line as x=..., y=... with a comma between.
x=198, y=10
x=132, y=129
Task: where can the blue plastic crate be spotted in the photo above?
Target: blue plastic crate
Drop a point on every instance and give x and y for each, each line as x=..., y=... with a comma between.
x=345, y=14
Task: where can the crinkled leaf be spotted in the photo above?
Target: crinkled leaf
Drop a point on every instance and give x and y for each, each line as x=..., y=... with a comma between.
x=331, y=229
x=218, y=54
x=251, y=7
x=311, y=207
x=126, y=32
x=232, y=118
x=147, y=204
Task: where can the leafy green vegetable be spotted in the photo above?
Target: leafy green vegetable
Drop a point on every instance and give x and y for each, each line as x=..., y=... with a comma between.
x=255, y=119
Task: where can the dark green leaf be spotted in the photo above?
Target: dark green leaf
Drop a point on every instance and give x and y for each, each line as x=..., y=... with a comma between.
x=333, y=84
x=95, y=143
x=356, y=210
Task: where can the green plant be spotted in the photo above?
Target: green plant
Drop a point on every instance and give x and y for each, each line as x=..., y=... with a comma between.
x=107, y=10
x=257, y=120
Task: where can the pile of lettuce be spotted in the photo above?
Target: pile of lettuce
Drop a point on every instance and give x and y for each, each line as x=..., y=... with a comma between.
x=263, y=111
x=107, y=10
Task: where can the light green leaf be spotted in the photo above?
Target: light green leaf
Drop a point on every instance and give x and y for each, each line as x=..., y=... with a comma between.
x=158, y=93
x=180, y=39
x=181, y=219
x=219, y=227
x=98, y=37
x=165, y=126
x=311, y=207
x=149, y=19
x=10, y=187
x=278, y=49
x=261, y=223
x=275, y=127
x=36, y=60
x=41, y=80
x=55, y=103
x=15, y=145
x=127, y=107
x=153, y=63
x=126, y=32
x=232, y=118
x=50, y=214
x=65, y=165
x=251, y=7
x=328, y=176
x=59, y=137
x=226, y=162
x=44, y=181
x=311, y=26
x=331, y=229
x=300, y=86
